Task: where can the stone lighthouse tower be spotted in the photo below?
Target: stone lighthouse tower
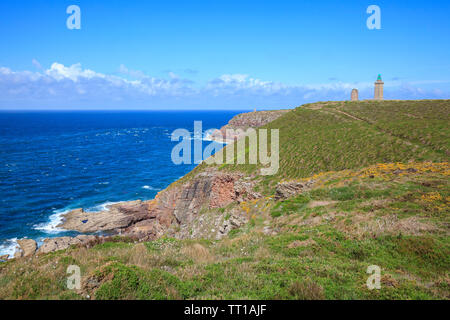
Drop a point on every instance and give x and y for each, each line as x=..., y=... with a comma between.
x=379, y=88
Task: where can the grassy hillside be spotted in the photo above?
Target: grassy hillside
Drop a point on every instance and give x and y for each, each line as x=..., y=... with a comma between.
x=379, y=195
x=330, y=136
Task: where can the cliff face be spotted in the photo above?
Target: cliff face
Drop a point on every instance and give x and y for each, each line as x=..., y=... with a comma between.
x=254, y=119
x=180, y=210
x=241, y=122
x=175, y=210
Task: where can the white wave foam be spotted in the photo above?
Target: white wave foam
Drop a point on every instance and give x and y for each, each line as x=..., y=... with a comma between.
x=150, y=188
x=208, y=138
x=8, y=247
x=55, y=220
x=204, y=136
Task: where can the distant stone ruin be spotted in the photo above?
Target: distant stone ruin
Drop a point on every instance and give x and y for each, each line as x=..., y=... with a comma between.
x=354, y=96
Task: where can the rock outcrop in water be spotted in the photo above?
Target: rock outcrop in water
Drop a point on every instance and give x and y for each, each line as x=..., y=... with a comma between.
x=117, y=216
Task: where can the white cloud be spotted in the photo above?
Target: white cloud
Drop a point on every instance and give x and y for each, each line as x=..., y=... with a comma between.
x=74, y=72
x=75, y=87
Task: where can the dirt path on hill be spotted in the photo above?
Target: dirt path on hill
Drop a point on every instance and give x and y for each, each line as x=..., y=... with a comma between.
x=405, y=140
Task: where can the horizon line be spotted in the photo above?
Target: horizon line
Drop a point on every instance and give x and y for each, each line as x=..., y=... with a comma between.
x=159, y=110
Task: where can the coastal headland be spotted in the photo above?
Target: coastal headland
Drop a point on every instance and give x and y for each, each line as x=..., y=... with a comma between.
x=360, y=183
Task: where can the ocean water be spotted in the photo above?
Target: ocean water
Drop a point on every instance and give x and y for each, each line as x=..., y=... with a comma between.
x=51, y=162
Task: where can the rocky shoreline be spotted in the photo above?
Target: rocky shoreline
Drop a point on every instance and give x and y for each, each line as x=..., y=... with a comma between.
x=175, y=211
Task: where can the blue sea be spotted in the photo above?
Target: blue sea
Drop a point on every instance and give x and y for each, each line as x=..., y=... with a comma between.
x=51, y=162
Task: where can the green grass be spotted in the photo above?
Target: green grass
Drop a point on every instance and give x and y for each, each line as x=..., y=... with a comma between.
x=131, y=282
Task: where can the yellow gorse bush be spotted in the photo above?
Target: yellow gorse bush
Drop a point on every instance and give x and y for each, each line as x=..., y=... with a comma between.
x=431, y=197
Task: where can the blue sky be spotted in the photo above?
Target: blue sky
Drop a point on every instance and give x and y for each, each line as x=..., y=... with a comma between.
x=218, y=54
